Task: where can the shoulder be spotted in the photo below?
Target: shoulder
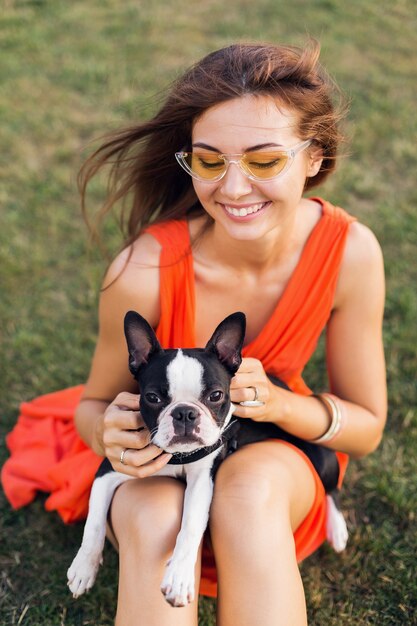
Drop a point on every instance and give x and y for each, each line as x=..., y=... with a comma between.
x=362, y=267
x=132, y=282
x=144, y=252
x=362, y=248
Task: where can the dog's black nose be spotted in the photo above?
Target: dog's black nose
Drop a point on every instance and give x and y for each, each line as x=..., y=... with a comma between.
x=184, y=413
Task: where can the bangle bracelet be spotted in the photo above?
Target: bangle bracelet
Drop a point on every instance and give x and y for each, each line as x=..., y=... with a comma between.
x=334, y=409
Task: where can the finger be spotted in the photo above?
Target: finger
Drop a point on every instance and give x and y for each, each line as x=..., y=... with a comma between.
x=134, y=464
x=123, y=419
x=148, y=469
x=245, y=380
x=243, y=395
x=249, y=365
x=127, y=401
x=137, y=458
x=154, y=466
x=254, y=412
x=137, y=440
x=132, y=420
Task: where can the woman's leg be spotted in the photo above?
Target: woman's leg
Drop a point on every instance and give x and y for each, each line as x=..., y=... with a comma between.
x=146, y=517
x=262, y=494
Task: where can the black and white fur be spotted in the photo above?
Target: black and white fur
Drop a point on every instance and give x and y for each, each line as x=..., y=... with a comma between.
x=185, y=403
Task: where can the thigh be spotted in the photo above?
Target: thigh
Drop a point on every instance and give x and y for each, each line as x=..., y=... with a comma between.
x=262, y=494
x=149, y=507
x=268, y=473
x=146, y=518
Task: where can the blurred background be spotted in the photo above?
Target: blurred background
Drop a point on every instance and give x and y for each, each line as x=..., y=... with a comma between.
x=71, y=71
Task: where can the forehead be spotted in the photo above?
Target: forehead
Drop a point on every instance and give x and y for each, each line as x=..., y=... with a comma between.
x=185, y=376
x=245, y=122
x=173, y=372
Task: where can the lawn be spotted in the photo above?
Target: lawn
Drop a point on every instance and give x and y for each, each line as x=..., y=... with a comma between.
x=70, y=71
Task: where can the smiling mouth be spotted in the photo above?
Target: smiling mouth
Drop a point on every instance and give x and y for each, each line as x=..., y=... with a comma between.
x=244, y=211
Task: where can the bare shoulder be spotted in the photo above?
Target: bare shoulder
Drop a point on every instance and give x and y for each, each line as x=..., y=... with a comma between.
x=362, y=245
x=142, y=254
x=362, y=268
x=132, y=280
x=131, y=283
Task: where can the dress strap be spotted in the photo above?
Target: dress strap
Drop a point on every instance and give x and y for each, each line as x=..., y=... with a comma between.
x=176, y=275
x=290, y=336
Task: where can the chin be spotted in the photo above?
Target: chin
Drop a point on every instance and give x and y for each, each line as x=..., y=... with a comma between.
x=246, y=231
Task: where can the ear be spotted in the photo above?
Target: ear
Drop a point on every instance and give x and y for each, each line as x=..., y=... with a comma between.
x=315, y=159
x=227, y=341
x=141, y=340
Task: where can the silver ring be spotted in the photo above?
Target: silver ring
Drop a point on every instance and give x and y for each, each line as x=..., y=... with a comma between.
x=122, y=456
x=255, y=401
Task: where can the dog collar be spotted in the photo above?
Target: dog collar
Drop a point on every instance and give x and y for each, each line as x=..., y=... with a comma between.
x=182, y=458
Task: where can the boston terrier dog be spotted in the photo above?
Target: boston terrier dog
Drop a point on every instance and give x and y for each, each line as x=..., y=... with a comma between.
x=185, y=404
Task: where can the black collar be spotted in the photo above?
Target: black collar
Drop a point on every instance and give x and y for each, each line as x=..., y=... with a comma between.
x=181, y=458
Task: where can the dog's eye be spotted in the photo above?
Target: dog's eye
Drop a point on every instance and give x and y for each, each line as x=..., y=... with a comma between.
x=216, y=396
x=152, y=398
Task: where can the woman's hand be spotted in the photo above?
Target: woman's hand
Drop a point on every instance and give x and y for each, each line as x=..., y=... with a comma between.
x=251, y=383
x=124, y=431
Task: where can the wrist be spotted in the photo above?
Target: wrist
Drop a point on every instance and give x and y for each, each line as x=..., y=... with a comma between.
x=97, y=444
x=302, y=416
x=281, y=406
x=336, y=415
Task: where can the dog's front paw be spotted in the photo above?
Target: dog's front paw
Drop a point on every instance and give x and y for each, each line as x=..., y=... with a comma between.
x=82, y=572
x=178, y=583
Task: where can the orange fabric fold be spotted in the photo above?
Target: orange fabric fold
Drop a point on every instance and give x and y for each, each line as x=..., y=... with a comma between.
x=48, y=455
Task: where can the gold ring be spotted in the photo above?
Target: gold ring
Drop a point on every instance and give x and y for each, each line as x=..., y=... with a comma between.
x=122, y=456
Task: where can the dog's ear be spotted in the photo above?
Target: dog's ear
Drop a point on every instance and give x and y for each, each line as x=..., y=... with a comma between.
x=227, y=341
x=141, y=340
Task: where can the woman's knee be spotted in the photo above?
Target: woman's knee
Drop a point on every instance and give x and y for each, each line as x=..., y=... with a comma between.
x=147, y=512
x=272, y=485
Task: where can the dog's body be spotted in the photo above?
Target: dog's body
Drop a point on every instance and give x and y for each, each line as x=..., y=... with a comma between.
x=185, y=404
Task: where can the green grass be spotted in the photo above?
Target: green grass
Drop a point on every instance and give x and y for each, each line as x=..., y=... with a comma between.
x=70, y=71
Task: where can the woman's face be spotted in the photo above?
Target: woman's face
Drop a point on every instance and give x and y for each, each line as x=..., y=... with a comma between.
x=245, y=208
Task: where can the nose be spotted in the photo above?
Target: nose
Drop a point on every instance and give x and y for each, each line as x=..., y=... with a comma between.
x=184, y=413
x=185, y=420
x=235, y=183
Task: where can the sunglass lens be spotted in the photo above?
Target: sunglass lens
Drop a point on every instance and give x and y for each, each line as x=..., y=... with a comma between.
x=265, y=165
x=205, y=165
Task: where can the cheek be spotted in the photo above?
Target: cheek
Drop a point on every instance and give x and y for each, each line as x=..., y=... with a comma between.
x=205, y=195
x=290, y=186
x=203, y=190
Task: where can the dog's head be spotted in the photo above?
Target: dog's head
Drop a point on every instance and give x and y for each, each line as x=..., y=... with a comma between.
x=184, y=394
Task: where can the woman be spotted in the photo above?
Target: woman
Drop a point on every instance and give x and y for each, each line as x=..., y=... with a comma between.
x=253, y=127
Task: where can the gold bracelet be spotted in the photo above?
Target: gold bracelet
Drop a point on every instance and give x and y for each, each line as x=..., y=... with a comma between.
x=337, y=418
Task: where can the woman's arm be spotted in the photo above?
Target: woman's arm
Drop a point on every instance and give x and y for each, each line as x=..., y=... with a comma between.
x=355, y=360
x=108, y=417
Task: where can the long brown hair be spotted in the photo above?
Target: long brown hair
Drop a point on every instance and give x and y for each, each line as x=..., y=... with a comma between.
x=144, y=175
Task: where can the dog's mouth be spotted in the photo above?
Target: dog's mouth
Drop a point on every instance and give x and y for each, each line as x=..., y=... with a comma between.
x=184, y=443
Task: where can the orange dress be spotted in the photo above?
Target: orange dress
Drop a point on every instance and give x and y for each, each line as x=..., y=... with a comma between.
x=48, y=455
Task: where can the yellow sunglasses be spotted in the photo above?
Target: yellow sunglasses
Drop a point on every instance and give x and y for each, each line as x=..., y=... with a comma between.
x=210, y=167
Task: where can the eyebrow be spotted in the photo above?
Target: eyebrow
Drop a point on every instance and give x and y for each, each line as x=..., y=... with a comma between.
x=259, y=146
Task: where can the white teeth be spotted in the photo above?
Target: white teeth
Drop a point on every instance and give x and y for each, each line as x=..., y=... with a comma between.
x=245, y=211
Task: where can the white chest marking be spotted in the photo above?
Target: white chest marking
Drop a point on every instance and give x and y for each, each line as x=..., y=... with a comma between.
x=185, y=378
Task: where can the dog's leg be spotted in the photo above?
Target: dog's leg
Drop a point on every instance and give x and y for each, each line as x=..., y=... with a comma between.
x=336, y=529
x=179, y=579
x=83, y=570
